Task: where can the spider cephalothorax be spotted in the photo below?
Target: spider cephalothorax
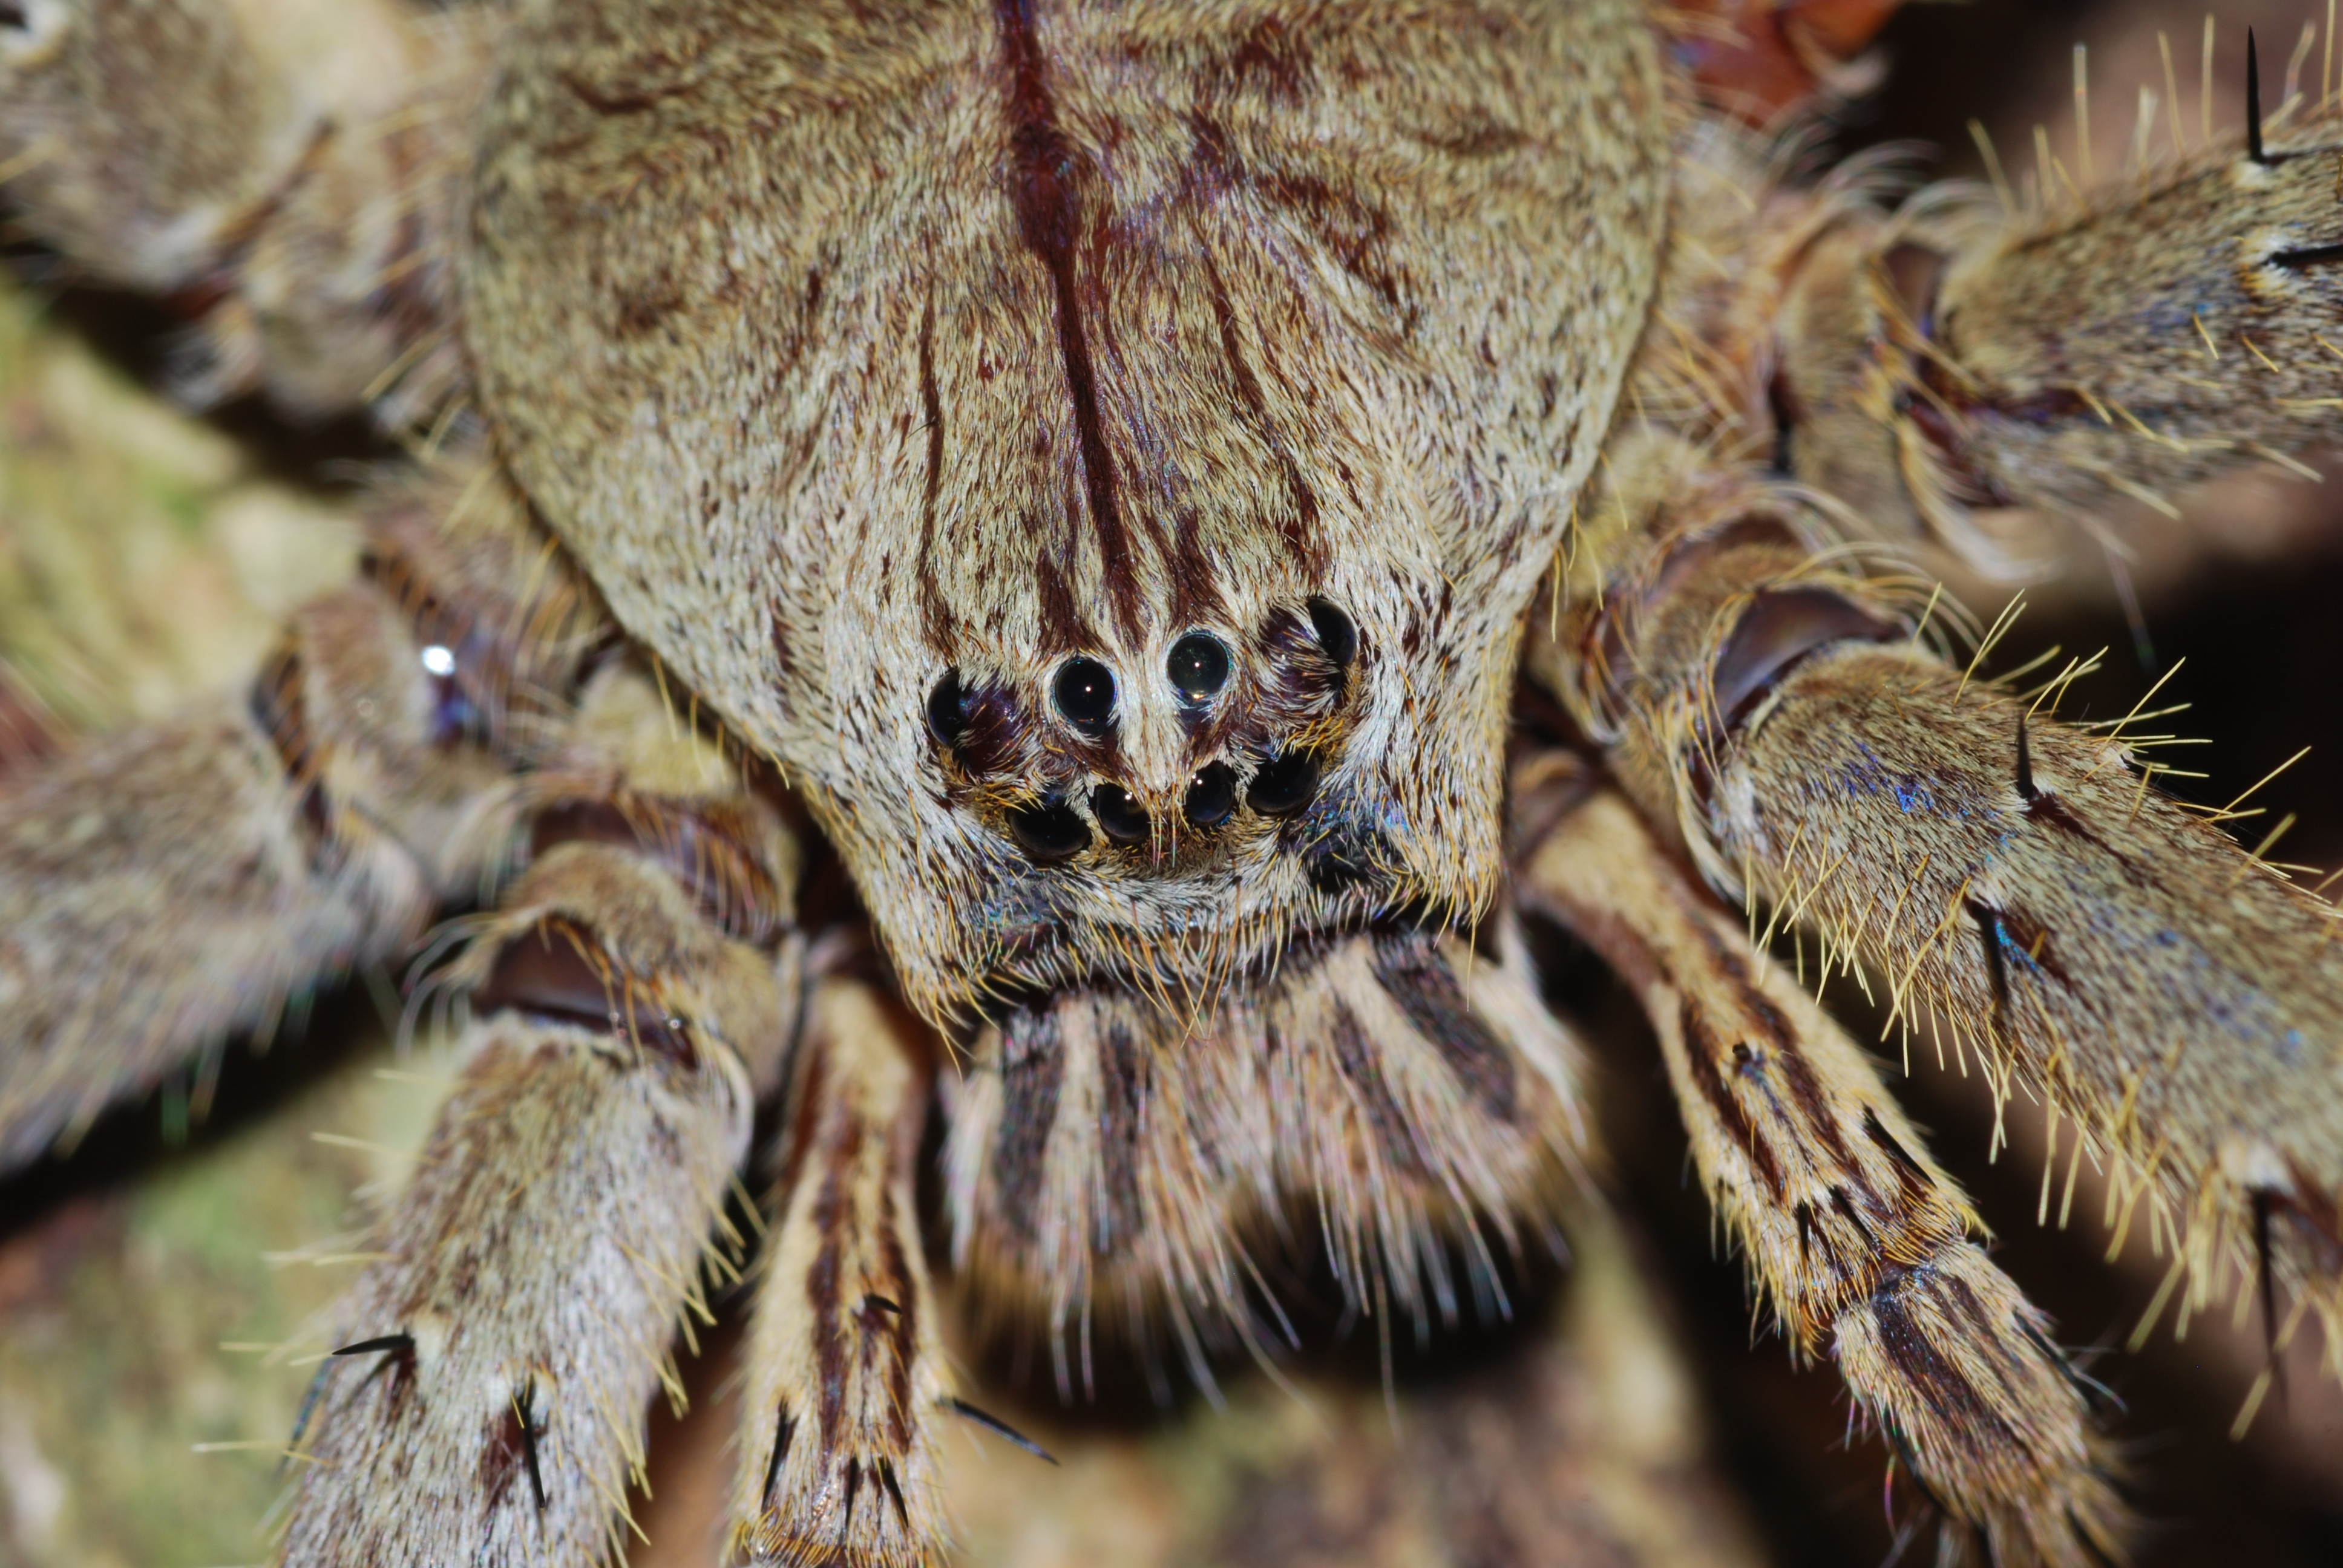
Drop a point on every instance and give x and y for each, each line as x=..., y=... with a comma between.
x=1091, y=464
x=1228, y=421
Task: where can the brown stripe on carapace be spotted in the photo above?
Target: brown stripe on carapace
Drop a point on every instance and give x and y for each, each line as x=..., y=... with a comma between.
x=935, y=614
x=833, y=1224
x=777, y=632
x=1414, y=976
x=1050, y=180
x=1123, y=1092
x=1272, y=61
x=1032, y=1066
x=1195, y=581
x=1063, y=629
x=1702, y=1051
x=1349, y=229
x=1298, y=526
x=1363, y=1069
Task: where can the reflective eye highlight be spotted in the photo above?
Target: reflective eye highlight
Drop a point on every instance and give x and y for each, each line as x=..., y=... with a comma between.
x=1119, y=818
x=1212, y=796
x=1084, y=693
x=1198, y=666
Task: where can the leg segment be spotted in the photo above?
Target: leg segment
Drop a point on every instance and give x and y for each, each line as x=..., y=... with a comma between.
x=162, y=888
x=2175, y=1007
x=848, y=1384
x=288, y=170
x=632, y=996
x=1860, y=1241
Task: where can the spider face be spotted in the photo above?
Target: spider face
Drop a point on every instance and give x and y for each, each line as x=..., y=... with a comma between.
x=1015, y=460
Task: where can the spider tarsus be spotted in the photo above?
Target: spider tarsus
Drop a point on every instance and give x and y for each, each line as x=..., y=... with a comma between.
x=876, y=1303
x=999, y=1428
x=2254, y=102
x=783, y=1429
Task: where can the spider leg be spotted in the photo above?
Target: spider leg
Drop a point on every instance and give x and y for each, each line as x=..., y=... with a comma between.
x=290, y=180
x=165, y=887
x=2081, y=361
x=847, y=1385
x=631, y=998
x=2026, y=893
x=1858, y=1239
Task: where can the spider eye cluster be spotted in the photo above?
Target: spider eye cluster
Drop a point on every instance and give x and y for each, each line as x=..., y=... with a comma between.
x=1240, y=713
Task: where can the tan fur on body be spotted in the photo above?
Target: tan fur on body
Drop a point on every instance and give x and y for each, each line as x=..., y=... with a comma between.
x=877, y=365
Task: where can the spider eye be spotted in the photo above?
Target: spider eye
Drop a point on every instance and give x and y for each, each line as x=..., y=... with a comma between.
x=1050, y=833
x=1084, y=691
x=1212, y=796
x=948, y=709
x=1283, y=786
x=1336, y=635
x=1198, y=667
x=1120, y=817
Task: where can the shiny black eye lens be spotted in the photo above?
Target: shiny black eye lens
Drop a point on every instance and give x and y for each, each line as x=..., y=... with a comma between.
x=1120, y=817
x=1212, y=796
x=1085, y=695
x=1199, y=666
x=1050, y=833
x=1284, y=785
x=948, y=710
x=1336, y=635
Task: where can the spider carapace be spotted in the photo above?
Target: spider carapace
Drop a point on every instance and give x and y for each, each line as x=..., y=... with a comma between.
x=1092, y=469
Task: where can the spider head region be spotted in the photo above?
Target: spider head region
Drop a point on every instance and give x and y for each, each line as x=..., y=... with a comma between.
x=1255, y=722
